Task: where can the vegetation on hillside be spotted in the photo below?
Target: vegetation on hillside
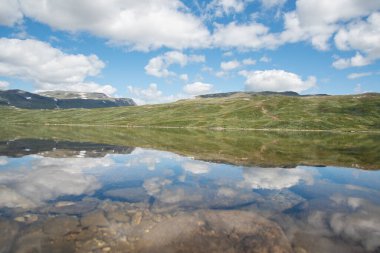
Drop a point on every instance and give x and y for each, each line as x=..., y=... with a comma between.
x=353, y=112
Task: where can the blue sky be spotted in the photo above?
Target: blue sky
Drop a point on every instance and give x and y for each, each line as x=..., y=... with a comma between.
x=162, y=50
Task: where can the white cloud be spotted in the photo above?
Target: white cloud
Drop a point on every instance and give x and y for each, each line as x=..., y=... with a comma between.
x=244, y=36
x=229, y=65
x=249, y=61
x=49, y=68
x=317, y=20
x=10, y=12
x=184, y=77
x=276, y=80
x=363, y=36
x=158, y=66
x=151, y=95
x=197, y=88
x=265, y=59
x=359, y=75
x=4, y=85
x=140, y=25
x=228, y=54
x=225, y=7
x=357, y=61
x=274, y=178
x=196, y=167
x=272, y=3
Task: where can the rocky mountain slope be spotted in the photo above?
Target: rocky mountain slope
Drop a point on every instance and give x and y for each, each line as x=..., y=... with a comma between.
x=60, y=100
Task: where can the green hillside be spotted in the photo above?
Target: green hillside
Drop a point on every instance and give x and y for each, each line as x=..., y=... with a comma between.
x=351, y=112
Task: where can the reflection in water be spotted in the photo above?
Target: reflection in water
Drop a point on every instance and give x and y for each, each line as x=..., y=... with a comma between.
x=275, y=178
x=143, y=200
x=41, y=179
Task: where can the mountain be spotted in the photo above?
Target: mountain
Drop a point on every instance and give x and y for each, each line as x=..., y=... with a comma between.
x=75, y=95
x=252, y=93
x=359, y=112
x=60, y=100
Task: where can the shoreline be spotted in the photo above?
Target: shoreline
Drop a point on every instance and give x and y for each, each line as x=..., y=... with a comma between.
x=203, y=128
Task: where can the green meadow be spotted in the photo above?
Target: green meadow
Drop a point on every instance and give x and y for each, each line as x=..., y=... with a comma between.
x=343, y=113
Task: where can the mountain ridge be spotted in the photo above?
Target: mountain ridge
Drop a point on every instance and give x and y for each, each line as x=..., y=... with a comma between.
x=257, y=93
x=46, y=100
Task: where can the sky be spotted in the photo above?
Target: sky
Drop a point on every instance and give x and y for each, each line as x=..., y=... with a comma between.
x=158, y=51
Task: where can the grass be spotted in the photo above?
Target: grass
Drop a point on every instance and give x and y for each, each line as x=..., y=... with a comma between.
x=342, y=113
x=258, y=148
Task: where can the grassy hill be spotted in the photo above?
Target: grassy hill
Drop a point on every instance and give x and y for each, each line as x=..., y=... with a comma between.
x=351, y=112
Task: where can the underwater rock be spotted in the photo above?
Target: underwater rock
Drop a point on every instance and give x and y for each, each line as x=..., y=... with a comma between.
x=215, y=231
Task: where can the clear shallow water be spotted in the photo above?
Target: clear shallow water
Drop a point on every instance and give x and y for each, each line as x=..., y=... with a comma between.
x=84, y=197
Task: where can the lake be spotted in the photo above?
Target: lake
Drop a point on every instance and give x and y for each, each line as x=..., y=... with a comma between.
x=67, y=189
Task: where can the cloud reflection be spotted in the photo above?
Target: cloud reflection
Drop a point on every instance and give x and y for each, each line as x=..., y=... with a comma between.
x=274, y=178
x=48, y=178
x=3, y=161
x=196, y=167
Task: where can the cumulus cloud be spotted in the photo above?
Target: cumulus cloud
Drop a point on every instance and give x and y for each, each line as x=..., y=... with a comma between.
x=220, y=8
x=151, y=95
x=244, y=36
x=139, y=25
x=274, y=178
x=50, y=68
x=363, y=36
x=197, y=88
x=356, y=61
x=276, y=80
x=158, y=66
x=229, y=65
x=4, y=85
x=10, y=12
x=317, y=20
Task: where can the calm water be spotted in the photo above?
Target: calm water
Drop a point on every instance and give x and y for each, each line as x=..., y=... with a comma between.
x=67, y=196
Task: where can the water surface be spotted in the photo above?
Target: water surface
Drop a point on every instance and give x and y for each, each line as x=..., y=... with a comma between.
x=220, y=192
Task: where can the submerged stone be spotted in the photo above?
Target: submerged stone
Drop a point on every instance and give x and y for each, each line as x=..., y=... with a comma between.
x=215, y=231
x=94, y=219
x=72, y=208
x=60, y=226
